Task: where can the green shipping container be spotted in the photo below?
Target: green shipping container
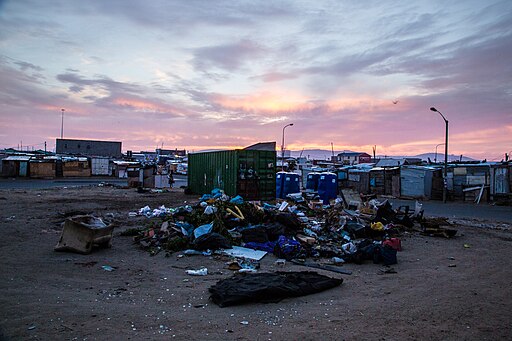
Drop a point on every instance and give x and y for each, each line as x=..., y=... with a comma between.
x=248, y=173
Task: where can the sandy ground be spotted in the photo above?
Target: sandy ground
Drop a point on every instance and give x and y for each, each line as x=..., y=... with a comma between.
x=443, y=289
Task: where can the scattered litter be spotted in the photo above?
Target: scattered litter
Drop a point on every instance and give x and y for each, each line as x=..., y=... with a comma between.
x=242, y=252
x=200, y=272
x=83, y=232
x=108, y=268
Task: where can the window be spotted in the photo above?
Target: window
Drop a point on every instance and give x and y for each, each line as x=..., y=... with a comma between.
x=78, y=146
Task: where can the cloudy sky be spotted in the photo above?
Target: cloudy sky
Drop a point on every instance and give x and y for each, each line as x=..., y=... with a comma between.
x=224, y=74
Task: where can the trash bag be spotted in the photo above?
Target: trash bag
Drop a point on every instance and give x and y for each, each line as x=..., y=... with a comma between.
x=256, y=234
x=238, y=200
x=203, y=229
x=269, y=287
x=388, y=255
x=268, y=246
x=211, y=241
x=290, y=222
x=287, y=248
x=274, y=230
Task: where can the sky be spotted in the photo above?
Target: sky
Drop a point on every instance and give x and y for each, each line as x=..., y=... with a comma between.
x=201, y=74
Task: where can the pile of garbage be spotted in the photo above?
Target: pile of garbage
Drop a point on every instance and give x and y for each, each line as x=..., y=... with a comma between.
x=293, y=228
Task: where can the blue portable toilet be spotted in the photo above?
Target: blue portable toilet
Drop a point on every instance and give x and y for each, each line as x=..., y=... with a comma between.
x=279, y=184
x=312, y=181
x=327, y=187
x=291, y=184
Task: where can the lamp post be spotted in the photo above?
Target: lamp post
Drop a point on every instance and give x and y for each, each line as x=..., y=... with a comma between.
x=445, y=175
x=282, y=147
x=62, y=123
x=435, y=157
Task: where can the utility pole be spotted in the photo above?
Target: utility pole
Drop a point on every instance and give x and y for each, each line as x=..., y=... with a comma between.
x=44, y=147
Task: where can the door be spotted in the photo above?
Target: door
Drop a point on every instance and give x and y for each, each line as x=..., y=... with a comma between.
x=500, y=181
x=23, y=168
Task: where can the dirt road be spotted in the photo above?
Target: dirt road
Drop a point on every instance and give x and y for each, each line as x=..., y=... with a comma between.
x=443, y=289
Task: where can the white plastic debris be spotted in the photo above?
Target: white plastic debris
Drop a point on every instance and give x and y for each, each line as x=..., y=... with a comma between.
x=200, y=272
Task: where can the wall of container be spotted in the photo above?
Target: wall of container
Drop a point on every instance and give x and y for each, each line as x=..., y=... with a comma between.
x=249, y=173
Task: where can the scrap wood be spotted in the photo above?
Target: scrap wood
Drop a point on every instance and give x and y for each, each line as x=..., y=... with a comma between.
x=322, y=267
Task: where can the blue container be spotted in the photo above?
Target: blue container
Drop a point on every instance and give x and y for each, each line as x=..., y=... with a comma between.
x=279, y=184
x=312, y=181
x=327, y=187
x=291, y=184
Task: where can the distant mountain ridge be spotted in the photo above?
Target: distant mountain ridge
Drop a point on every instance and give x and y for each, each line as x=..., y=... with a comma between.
x=324, y=154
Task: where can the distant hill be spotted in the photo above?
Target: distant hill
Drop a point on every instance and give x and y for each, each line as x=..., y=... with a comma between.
x=440, y=157
x=324, y=154
x=317, y=154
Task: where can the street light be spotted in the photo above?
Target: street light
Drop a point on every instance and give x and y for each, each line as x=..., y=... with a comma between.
x=445, y=175
x=282, y=147
x=62, y=124
x=435, y=157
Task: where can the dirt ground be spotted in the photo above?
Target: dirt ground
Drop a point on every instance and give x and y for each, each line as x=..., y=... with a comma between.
x=443, y=289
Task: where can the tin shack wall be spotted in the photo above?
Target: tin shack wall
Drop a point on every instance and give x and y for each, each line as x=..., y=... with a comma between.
x=40, y=169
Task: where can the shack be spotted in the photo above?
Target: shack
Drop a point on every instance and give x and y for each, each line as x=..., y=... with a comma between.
x=359, y=180
x=76, y=167
x=43, y=168
x=245, y=172
x=381, y=180
x=121, y=169
x=16, y=165
x=470, y=176
x=417, y=182
x=501, y=182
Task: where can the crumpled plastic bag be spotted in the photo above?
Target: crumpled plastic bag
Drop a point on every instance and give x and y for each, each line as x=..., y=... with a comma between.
x=203, y=229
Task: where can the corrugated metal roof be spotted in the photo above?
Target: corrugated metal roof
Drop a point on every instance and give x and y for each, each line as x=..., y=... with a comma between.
x=18, y=158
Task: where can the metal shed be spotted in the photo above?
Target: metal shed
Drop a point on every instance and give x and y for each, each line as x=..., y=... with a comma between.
x=245, y=172
x=416, y=181
x=16, y=165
